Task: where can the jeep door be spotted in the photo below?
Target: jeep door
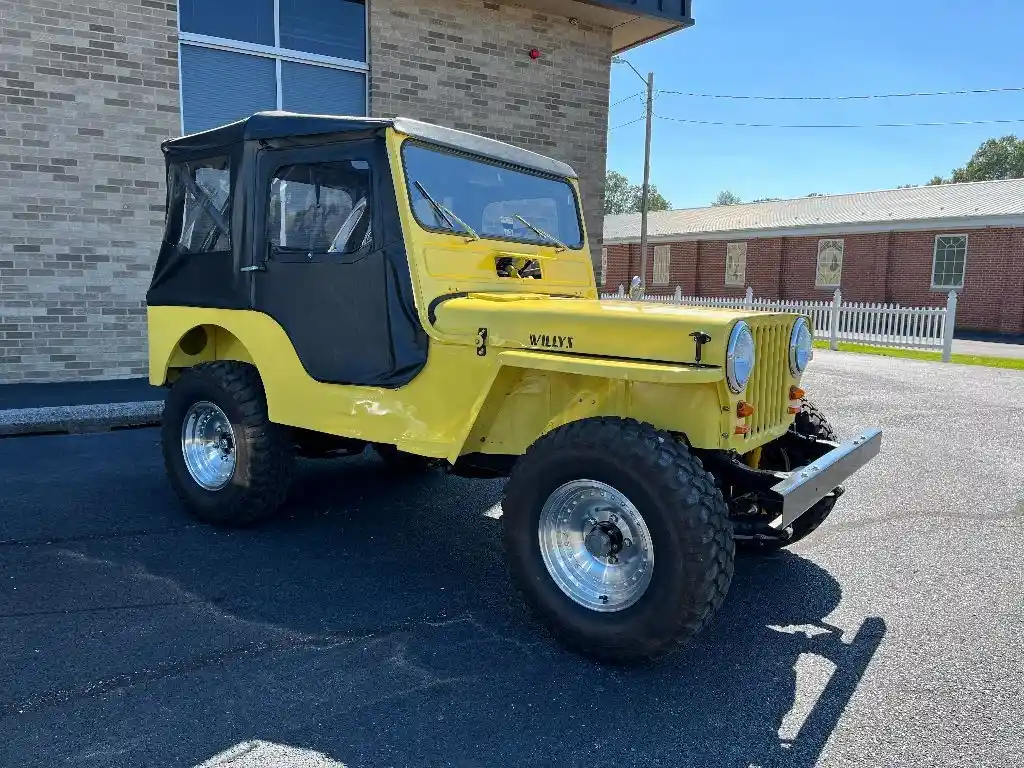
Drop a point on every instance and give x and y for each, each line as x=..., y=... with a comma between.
x=320, y=267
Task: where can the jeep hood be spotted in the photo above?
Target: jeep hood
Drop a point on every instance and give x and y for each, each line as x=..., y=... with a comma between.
x=617, y=329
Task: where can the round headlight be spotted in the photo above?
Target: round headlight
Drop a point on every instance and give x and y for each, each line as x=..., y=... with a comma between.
x=739, y=357
x=801, y=346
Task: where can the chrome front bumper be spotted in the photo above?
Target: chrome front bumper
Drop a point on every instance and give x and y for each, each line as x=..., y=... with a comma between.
x=808, y=485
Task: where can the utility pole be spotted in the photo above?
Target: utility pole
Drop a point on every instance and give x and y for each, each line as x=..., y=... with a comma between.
x=647, y=183
x=649, y=82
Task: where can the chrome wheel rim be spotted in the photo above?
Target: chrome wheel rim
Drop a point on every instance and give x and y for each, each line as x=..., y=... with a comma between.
x=208, y=445
x=596, y=545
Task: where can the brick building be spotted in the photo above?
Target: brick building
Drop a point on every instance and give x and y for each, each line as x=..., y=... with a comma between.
x=908, y=246
x=89, y=90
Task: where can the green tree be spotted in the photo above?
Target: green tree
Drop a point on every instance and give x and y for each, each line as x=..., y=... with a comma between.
x=617, y=194
x=727, y=197
x=622, y=197
x=766, y=200
x=655, y=200
x=1001, y=158
x=995, y=159
x=815, y=194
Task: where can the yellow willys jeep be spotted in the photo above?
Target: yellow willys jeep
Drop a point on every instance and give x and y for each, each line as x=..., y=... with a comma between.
x=328, y=284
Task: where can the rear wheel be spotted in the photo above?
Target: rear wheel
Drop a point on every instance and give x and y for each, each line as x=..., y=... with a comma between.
x=226, y=460
x=617, y=538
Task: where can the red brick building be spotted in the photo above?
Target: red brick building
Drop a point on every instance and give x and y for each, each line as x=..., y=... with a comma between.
x=906, y=246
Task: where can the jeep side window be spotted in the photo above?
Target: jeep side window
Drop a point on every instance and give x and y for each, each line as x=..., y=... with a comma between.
x=321, y=208
x=203, y=188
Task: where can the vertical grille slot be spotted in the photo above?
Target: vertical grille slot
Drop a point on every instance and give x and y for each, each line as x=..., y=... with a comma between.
x=762, y=344
x=767, y=384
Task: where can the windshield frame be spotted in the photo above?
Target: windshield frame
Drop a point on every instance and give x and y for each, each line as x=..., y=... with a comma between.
x=577, y=203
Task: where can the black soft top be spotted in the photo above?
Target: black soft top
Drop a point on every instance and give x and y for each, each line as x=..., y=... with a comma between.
x=274, y=125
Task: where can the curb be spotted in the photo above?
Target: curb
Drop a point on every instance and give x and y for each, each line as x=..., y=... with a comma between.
x=75, y=419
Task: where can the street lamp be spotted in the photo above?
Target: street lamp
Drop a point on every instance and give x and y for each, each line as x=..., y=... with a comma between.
x=649, y=81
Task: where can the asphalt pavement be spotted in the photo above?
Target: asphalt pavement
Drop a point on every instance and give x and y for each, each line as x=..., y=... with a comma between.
x=988, y=348
x=373, y=624
x=76, y=393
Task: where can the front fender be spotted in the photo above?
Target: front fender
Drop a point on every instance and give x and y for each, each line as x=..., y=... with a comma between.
x=535, y=392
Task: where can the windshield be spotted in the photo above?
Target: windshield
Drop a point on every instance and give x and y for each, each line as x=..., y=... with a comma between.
x=492, y=199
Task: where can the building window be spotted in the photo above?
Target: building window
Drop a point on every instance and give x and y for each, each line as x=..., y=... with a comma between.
x=662, y=263
x=736, y=264
x=949, y=262
x=243, y=56
x=604, y=267
x=829, y=272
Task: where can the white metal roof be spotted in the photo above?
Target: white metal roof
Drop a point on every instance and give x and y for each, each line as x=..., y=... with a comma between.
x=973, y=205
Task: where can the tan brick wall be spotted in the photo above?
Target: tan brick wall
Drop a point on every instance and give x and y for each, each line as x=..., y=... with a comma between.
x=88, y=92
x=465, y=64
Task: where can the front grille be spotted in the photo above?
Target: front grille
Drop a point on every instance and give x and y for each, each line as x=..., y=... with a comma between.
x=768, y=389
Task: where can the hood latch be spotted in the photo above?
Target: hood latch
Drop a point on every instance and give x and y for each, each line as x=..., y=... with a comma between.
x=700, y=338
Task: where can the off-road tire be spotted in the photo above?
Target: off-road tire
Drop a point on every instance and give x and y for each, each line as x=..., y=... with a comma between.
x=694, y=552
x=402, y=462
x=263, y=450
x=809, y=422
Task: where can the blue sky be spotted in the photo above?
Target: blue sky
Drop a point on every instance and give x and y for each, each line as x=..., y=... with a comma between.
x=819, y=47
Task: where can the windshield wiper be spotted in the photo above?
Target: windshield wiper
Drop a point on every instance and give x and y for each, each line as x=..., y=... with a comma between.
x=445, y=213
x=550, y=238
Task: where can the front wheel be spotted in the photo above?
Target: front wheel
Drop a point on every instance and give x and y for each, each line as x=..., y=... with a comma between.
x=617, y=538
x=226, y=460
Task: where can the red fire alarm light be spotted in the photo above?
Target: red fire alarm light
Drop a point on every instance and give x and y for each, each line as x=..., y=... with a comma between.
x=534, y=53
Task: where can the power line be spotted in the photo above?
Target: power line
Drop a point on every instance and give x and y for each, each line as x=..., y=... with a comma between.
x=833, y=125
x=623, y=125
x=1012, y=89
x=623, y=101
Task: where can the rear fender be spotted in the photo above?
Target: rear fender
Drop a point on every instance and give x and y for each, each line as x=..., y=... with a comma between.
x=169, y=353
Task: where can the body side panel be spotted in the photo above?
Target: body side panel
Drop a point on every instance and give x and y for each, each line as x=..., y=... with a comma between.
x=461, y=402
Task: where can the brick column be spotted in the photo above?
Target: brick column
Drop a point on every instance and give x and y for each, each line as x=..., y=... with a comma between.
x=465, y=64
x=1011, y=316
x=90, y=91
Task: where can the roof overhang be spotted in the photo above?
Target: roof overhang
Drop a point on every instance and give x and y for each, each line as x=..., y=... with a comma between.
x=633, y=22
x=950, y=224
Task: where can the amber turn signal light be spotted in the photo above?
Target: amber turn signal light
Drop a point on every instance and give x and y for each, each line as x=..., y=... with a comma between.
x=795, y=393
x=793, y=409
x=744, y=409
x=742, y=429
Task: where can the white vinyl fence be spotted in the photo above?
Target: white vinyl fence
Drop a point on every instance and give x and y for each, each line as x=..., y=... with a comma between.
x=889, y=325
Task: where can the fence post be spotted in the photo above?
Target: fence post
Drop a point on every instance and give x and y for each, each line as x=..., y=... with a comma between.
x=636, y=291
x=947, y=328
x=748, y=300
x=679, y=295
x=622, y=292
x=833, y=320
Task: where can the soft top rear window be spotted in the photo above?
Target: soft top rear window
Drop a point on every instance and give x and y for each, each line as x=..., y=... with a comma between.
x=200, y=205
x=449, y=191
